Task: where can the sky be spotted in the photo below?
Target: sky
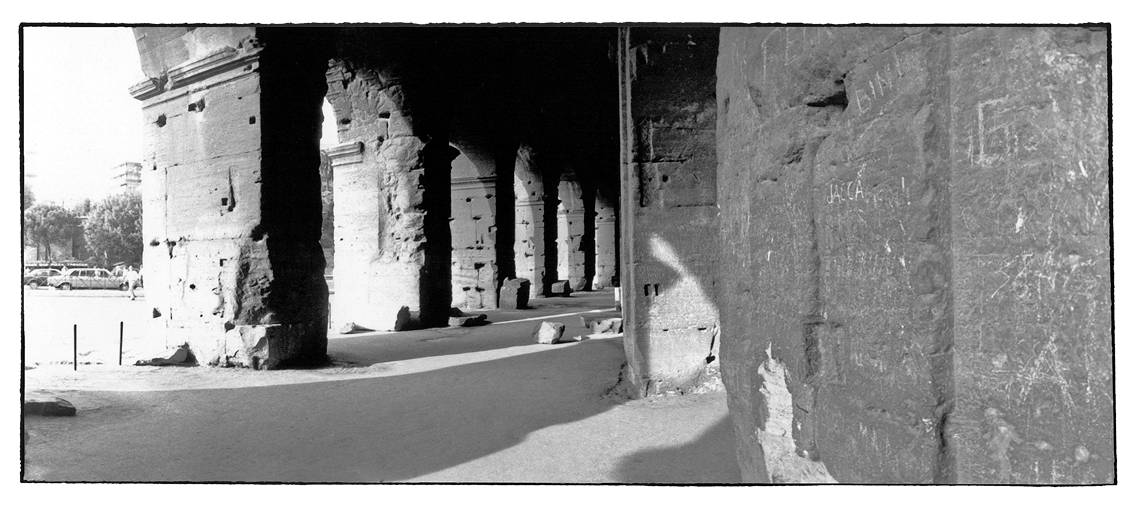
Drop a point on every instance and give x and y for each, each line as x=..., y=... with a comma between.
x=79, y=119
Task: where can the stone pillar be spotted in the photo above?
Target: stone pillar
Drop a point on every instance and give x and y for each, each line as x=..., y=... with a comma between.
x=474, y=273
x=232, y=202
x=356, y=233
x=605, y=243
x=398, y=235
x=571, y=231
x=530, y=223
x=669, y=208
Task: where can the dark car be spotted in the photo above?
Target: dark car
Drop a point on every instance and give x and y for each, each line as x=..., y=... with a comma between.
x=38, y=277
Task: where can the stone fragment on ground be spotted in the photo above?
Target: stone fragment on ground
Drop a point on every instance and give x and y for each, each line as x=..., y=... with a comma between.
x=602, y=325
x=548, y=332
x=560, y=288
x=514, y=294
x=467, y=321
x=182, y=357
x=352, y=328
x=47, y=405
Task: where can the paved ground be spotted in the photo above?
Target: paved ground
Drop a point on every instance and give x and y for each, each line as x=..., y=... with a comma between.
x=49, y=317
x=443, y=405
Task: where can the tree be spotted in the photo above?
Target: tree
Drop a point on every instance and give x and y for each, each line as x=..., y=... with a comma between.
x=47, y=224
x=113, y=229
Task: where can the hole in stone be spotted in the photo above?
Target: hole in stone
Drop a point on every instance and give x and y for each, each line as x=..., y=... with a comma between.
x=664, y=178
x=837, y=98
x=154, y=313
x=345, y=121
x=656, y=289
x=160, y=121
x=385, y=115
x=221, y=262
x=252, y=120
x=193, y=287
x=646, y=290
x=154, y=242
x=225, y=201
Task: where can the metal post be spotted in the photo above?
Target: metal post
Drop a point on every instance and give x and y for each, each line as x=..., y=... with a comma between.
x=120, y=343
x=75, y=346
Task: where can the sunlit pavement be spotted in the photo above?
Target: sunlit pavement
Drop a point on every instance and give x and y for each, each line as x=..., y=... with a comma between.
x=51, y=317
x=451, y=405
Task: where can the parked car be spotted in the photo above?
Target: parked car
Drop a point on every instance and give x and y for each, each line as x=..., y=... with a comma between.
x=87, y=278
x=36, y=278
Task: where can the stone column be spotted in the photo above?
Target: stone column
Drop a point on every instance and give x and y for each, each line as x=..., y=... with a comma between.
x=605, y=243
x=473, y=267
x=232, y=193
x=530, y=228
x=397, y=236
x=571, y=229
x=356, y=234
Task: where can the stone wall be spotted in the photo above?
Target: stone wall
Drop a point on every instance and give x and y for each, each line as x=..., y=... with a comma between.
x=474, y=231
x=669, y=207
x=914, y=261
x=232, y=220
x=572, y=217
x=396, y=239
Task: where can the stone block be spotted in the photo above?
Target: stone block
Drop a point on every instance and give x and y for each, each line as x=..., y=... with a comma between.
x=561, y=288
x=514, y=294
x=467, y=321
x=549, y=332
x=47, y=405
x=602, y=325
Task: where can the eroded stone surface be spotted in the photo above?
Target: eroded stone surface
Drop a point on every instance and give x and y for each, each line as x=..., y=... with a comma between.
x=548, y=332
x=230, y=241
x=894, y=205
x=670, y=196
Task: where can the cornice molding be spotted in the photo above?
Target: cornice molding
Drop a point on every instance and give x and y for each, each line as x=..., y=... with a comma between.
x=347, y=153
x=217, y=62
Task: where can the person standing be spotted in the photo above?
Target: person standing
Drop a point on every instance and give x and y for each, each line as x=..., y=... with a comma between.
x=132, y=280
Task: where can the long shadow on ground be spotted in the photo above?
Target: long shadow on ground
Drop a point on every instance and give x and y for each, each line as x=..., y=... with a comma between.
x=368, y=430
x=709, y=459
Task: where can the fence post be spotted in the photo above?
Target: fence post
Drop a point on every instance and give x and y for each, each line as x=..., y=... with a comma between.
x=120, y=343
x=75, y=347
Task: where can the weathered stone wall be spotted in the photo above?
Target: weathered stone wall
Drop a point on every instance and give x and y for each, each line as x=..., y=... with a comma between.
x=571, y=219
x=232, y=192
x=474, y=231
x=914, y=262
x=403, y=243
x=670, y=194
x=531, y=217
x=605, y=242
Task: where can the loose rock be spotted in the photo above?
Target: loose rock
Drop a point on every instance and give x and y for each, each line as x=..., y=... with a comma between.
x=45, y=405
x=548, y=332
x=560, y=288
x=467, y=321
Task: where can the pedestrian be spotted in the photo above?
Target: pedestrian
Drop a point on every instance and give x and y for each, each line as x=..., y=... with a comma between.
x=132, y=280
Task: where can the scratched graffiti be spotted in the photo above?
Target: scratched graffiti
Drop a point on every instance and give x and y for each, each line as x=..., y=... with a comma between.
x=879, y=84
x=1034, y=277
x=1002, y=130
